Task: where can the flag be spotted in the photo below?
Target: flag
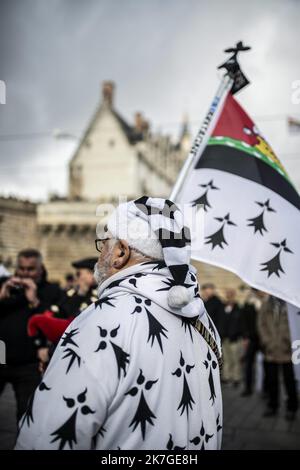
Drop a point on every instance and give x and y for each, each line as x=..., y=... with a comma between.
x=251, y=208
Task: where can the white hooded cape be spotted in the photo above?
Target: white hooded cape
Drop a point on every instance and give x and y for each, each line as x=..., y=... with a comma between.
x=130, y=373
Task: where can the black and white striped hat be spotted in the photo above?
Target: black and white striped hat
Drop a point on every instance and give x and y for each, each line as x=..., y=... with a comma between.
x=155, y=227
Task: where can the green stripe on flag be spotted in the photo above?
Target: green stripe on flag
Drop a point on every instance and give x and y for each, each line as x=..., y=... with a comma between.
x=244, y=147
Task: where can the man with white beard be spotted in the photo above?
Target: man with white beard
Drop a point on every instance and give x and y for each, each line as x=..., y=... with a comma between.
x=139, y=368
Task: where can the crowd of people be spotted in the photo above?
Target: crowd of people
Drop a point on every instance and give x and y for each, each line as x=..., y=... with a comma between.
x=36, y=312
x=139, y=368
x=259, y=325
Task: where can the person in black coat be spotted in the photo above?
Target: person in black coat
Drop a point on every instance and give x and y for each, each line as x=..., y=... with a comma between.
x=250, y=336
x=231, y=333
x=21, y=296
x=213, y=304
x=82, y=294
x=51, y=326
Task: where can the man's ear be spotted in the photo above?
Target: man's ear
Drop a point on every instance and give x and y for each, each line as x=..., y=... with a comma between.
x=121, y=254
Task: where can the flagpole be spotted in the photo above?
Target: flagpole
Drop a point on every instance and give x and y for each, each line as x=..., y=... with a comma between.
x=200, y=140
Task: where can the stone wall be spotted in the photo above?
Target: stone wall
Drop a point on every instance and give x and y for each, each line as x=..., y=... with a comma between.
x=64, y=231
x=63, y=244
x=18, y=228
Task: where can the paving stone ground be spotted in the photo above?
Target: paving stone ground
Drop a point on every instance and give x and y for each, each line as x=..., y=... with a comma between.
x=243, y=427
x=246, y=429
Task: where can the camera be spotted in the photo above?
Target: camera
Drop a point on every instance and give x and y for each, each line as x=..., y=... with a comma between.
x=17, y=290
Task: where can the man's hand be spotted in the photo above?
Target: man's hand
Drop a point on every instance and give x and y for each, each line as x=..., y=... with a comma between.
x=29, y=285
x=43, y=356
x=13, y=281
x=30, y=292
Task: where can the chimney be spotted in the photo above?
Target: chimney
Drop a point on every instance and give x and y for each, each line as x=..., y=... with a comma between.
x=146, y=126
x=138, y=123
x=108, y=89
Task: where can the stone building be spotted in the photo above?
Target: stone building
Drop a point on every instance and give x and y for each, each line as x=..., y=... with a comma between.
x=116, y=158
x=113, y=159
x=18, y=228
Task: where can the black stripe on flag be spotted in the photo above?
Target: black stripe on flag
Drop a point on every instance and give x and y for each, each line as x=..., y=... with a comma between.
x=231, y=160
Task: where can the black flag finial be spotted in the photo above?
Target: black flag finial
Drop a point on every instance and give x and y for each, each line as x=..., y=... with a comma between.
x=233, y=67
x=238, y=48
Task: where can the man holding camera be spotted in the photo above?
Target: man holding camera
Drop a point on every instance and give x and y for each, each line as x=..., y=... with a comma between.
x=22, y=295
x=51, y=325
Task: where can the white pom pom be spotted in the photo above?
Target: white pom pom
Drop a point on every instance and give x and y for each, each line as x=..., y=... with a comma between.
x=178, y=297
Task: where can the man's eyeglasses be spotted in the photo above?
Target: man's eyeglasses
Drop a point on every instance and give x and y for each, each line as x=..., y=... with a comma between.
x=99, y=243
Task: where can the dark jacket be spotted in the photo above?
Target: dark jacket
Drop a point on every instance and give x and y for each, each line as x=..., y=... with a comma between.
x=230, y=325
x=14, y=314
x=249, y=322
x=72, y=304
x=215, y=309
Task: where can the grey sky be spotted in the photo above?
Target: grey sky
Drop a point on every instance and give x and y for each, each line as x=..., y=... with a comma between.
x=162, y=54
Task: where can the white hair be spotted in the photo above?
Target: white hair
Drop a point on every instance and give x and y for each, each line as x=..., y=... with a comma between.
x=136, y=253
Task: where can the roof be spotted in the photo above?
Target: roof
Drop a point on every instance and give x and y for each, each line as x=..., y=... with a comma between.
x=128, y=130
